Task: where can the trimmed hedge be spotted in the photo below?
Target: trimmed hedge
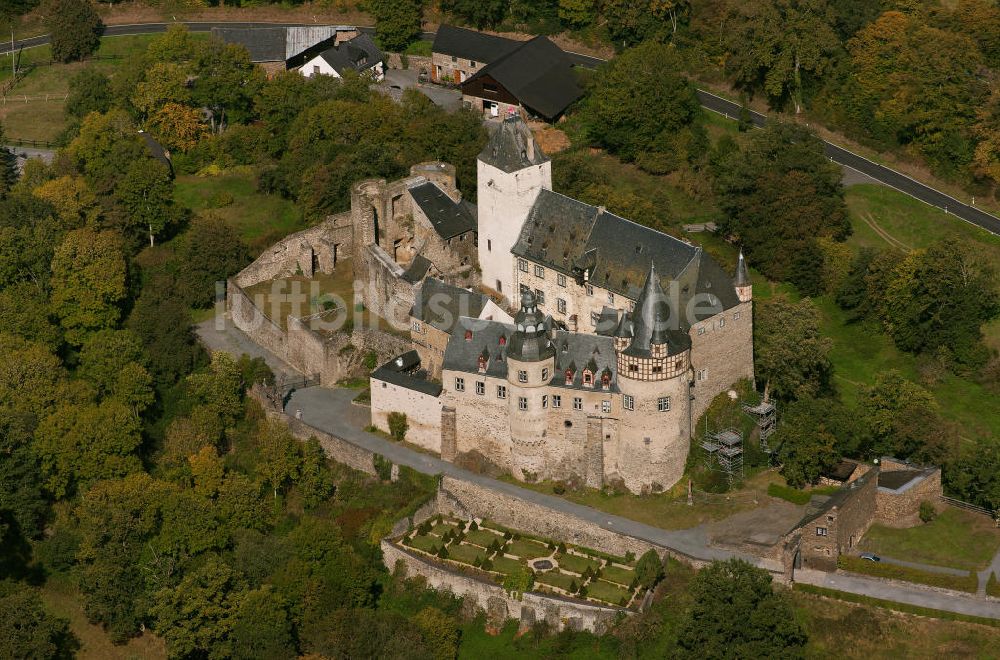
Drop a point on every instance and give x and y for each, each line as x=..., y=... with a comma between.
x=968, y=583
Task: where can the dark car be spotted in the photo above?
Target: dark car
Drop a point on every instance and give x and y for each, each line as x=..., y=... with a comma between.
x=870, y=557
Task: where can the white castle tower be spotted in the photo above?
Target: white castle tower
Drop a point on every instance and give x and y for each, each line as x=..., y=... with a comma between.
x=511, y=171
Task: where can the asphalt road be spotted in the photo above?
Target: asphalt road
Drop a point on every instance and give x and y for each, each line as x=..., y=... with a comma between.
x=880, y=173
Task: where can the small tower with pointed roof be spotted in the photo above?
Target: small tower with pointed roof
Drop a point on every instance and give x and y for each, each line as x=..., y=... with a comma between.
x=744, y=290
x=648, y=348
x=512, y=170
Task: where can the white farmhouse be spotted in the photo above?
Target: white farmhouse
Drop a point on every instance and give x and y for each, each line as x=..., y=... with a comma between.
x=359, y=54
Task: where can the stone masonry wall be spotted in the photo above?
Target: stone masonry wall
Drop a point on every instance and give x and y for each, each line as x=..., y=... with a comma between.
x=721, y=355
x=251, y=320
x=902, y=508
x=839, y=528
x=463, y=498
x=294, y=253
x=337, y=449
x=558, y=612
x=423, y=413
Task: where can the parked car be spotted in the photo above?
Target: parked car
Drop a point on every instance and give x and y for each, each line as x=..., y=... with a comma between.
x=870, y=557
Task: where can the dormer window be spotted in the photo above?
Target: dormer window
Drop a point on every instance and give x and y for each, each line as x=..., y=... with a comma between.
x=605, y=380
x=503, y=340
x=569, y=376
x=588, y=378
x=468, y=335
x=482, y=364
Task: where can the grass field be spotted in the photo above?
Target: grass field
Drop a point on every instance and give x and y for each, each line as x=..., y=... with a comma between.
x=482, y=537
x=527, y=549
x=260, y=219
x=608, y=592
x=967, y=583
x=63, y=599
x=956, y=538
x=429, y=544
x=575, y=563
x=557, y=579
x=466, y=553
x=506, y=564
x=617, y=574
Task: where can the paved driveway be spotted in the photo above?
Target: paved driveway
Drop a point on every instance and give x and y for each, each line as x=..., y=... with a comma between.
x=449, y=99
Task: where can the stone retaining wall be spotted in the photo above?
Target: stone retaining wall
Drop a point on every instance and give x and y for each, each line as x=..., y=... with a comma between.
x=559, y=613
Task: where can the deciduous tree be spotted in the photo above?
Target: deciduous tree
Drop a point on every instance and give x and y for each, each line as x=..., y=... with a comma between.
x=791, y=355
x=73, y=28
x=88, y=283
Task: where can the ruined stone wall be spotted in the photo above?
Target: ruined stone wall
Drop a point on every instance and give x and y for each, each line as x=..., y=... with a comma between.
x=456, y=258
x=423, y=413
x=384, y=293
x=294, y=253
x=721, y=354
x=463, y=498
x=902, y=508
x=560, y=613
x=251, y=320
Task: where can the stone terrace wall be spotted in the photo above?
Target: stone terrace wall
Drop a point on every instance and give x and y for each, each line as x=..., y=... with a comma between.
x=462, y=498
x=336, y=448
x=559, y=613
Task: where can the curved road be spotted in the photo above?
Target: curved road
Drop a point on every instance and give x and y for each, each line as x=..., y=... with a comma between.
x=880, y=173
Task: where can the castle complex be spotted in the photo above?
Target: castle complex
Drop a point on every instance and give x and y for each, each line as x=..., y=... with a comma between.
x=621, y=339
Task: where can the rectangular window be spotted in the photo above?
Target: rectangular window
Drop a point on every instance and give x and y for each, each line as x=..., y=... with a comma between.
x=315, y=69
x=663, y=404
x=736, y=316
x=595, y=318
x=480, y=387
x=545, y=374
x=557, y=401
x=540, y=271
x=821, y=531
x=701, y=331
x=703, y=374
x=605, y=406
x=459, y=384
x=522, y=403
x=561, y=279
x=577, y=403
x=416, y=326
x=611, y=298
x=501, y=391
x=628, y=402
x=545, y=401
x=522, y=376
x=540, y=296
x=560, y=305
x=722, y=322
x=489, y=245
x=522, y=265
x=472, y=62
x=590, y=290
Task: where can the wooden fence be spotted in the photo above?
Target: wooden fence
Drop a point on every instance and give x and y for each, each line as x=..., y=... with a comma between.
x=968, y=507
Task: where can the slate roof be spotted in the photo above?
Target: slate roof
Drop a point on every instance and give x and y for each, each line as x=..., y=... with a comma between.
x=578, y=351
x=837, y=499
x=358, y=54
x=512, y=147
x=265, y=44
x=417, y=270
x=405, y=371
x=530, y=341
x=570, y=236
x=448, y=217
x=471, y=45
x=441, y=305
x=897, y=479
x=539, y=74
x=650, y=320
x=463, y=355
x=157, y=151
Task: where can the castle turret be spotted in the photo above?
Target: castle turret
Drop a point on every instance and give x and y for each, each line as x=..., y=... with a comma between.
x=744, y=290
x=652, y=376
x=511, y=171
x=530, y=368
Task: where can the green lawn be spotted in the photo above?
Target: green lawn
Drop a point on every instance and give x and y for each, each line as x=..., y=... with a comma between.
x=575, y=563
x=618, y=574
x=956, y=538
x=527, y=549
x=466, y=553
x=967, y=583
x=482, y=537
x=608, y=592
x=429, y=544
x=557, y=579
x=260, y=219
x=506, y=565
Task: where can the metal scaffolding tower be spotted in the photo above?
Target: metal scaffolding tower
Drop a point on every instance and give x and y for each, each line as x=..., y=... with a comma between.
x=724, y=453
x=766, y=417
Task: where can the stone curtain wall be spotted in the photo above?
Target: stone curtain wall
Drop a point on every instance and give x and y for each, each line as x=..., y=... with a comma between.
x=902, y=508
x=338, y=449
x=464, y=498
x=251, y=320
x=557, y=612
x=725, y=352
x=423, y=413
x=293, y=254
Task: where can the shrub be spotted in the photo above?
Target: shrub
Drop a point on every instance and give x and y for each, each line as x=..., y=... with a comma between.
x=443, y=552
x=562, y=548
x=572, y=586
x=992, y=586
x=649, y=569
x=398, y=426
x=473, y=526
x=927, y=511
x=629, y=557
x=370, y=360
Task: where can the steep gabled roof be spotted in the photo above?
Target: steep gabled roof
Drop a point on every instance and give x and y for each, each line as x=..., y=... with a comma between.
x=448, y=217
x=512, y=147
x=358, y=54
x=539, y=74
x=471, y=45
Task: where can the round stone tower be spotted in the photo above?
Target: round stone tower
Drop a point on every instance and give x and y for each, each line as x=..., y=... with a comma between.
x=654, y=360
x=530, y=367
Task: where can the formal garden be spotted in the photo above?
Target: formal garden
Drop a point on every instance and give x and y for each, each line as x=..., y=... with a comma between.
x=531, y=563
